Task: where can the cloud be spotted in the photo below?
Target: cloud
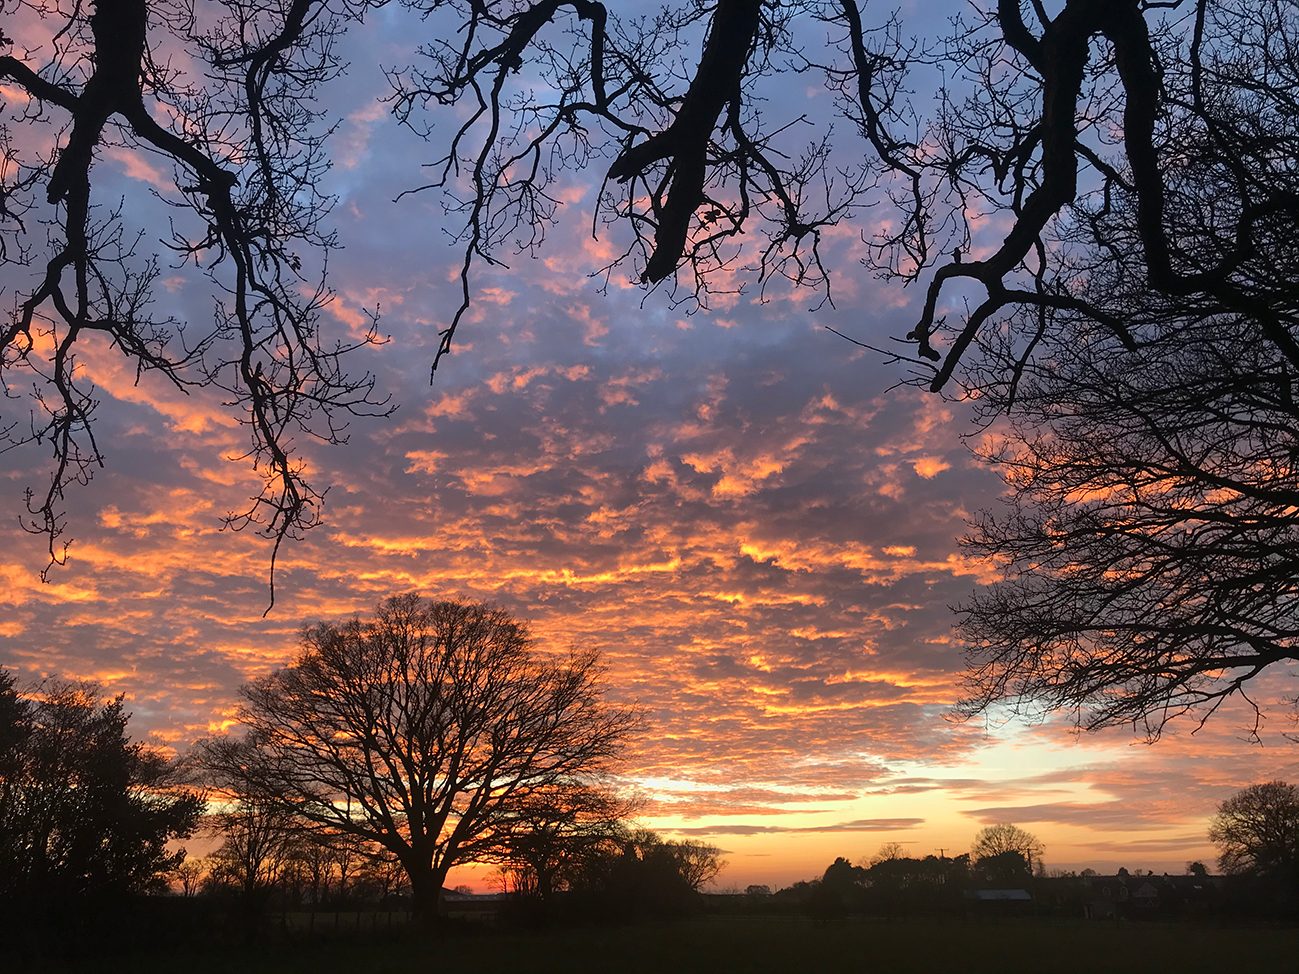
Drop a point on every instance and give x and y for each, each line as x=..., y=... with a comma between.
x=859, y=825
x=135, y=166
x=1114, y=816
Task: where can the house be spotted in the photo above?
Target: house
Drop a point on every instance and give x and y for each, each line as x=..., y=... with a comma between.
x=999, y=902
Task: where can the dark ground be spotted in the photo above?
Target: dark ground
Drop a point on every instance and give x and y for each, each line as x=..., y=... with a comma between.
x=757, y=945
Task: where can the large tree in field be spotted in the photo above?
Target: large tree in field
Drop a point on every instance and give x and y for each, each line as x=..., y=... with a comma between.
x=424, y=730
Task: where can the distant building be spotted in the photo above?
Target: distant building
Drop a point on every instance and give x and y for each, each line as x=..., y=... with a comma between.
x=1122, y=895
x=482, y=907
x=999, y=895
x=999, y=902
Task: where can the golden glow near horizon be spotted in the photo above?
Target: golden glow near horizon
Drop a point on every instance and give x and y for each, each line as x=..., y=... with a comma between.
x=728, y=505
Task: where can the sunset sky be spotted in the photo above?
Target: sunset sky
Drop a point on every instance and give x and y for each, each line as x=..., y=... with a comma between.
x=733, y=505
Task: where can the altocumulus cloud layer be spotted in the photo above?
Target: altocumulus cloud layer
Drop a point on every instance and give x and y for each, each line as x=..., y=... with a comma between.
x=729, y=504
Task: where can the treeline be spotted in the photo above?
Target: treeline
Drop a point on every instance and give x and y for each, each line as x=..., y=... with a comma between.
x=955, y=887
x=91, y=821
x=1002, y=857
x=433, y=735
x=1257, y=831
x=266, y=867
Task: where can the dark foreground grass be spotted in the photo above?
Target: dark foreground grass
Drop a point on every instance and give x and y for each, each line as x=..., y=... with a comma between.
x=757, y=945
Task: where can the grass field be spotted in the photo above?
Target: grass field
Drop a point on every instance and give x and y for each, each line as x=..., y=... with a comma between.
x=758, y=945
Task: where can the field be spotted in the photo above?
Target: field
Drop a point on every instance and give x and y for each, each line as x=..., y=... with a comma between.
x=757, y=945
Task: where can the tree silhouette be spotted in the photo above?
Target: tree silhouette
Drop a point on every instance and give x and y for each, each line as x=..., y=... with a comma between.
x=257, y=847
x=1135, y=321
x=546, y=838
x=243, y=139
x=1149, y=541
x=84, y=811
x=1135, y=324
x=998, y=840
x=1257, y=830
x=640, y=872
x=189, y=875
x=887, y=852
x=1148, y=433
x=423, y=731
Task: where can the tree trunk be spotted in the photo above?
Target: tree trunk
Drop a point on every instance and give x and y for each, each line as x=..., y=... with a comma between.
x=426, y=892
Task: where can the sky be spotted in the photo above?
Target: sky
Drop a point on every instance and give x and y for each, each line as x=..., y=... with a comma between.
x=744, y=513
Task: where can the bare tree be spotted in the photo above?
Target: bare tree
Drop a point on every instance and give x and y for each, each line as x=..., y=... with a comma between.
x=245, y=145
x=887, y=853
x=189, y=875
x=996, y=840
x=698, y=862
x=1082, y=119
x=1257, y=830
x=388, y=877
x=547, y=837
x=692, y=161
x=1133, y=342
x=316, y=861
x=258, y=844
x=1141, y=406
x=1139, y=155
x=1148, y=545
x=1149, y=541
x=348, y=854
x=421, y=731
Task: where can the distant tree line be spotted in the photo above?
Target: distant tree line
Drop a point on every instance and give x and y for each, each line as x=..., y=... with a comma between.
x=891, y=882
x=1256, y=829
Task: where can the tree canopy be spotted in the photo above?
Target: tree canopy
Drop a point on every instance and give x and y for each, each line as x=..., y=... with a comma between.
x=84, y=811
x=1257, y=830
x=427, y=730
x=994, y=841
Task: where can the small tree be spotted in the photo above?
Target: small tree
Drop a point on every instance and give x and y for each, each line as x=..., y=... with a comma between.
x=547, y=837
x=997, y=840
x=698, y=862
x=315, y=862
x=189, y=874
x=641, y=872
x=258, y=845
x=1257, y=830
x=420, y=731
x=887, y=852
